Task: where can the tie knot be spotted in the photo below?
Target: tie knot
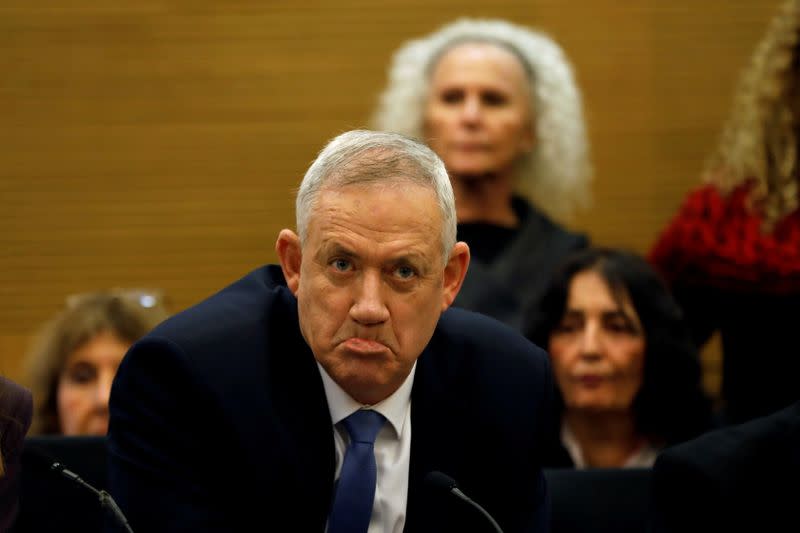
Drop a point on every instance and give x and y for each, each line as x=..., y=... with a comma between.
x=364, y=425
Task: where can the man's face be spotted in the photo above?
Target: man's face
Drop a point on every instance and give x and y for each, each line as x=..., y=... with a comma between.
x=371, y=283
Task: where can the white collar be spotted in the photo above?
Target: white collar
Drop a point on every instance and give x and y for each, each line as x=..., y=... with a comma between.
x=394, y=408
x=643, y=457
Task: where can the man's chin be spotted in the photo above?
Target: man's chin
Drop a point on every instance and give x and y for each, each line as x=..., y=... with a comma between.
x=366, y=385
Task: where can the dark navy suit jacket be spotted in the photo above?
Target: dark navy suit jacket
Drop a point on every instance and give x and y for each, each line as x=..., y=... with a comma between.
x=219, y=421
x=739, y=478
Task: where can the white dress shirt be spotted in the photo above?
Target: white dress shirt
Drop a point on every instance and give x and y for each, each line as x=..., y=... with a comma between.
x=642, y=457
x=392, y=449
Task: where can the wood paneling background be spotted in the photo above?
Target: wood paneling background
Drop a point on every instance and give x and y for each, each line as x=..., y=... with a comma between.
x=158, y=143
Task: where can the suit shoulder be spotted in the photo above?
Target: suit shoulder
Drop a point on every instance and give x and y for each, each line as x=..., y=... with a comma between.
x=486, y=338
x=240, y=315
x=237, y=306
x=761, y=447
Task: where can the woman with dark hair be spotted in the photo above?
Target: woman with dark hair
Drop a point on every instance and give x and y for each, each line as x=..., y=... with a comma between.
x=627, y=372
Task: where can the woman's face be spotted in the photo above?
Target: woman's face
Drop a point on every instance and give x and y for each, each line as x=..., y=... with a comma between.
x=598, y=348
x=477, y=115
x=85, y=383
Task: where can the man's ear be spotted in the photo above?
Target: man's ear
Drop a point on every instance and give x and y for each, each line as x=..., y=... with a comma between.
x=290, y=255
x=454, y=273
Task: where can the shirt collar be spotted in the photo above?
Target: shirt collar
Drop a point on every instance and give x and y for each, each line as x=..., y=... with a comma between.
x=394, y=408
x=643, y=457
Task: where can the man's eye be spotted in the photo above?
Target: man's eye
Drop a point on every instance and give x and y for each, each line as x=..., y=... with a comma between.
x=342, y=265
x=405, y=272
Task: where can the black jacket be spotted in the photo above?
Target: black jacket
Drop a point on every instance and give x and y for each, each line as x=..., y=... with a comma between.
x=219, y=421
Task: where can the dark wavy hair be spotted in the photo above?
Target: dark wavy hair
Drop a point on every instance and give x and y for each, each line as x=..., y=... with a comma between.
x=670, y=406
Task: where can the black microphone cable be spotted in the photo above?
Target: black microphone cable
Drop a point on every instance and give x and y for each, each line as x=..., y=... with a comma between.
x=443, y=481
x=106, y=501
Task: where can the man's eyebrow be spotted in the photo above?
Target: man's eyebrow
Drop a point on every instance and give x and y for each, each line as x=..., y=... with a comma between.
x=412, y=257
x=335, y=248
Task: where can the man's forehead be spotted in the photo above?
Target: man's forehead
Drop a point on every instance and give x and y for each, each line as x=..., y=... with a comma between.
x=373, y=185
x=392, y=197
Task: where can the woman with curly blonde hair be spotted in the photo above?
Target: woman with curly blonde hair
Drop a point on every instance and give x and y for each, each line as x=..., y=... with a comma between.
x=498, y=103
x=732, y=253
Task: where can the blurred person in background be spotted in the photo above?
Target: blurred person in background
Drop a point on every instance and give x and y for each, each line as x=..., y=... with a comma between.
x=75, y=357
x=16, y=407
x=732, y=252
x=627, y=372
x=736, y=478
x=498, y=103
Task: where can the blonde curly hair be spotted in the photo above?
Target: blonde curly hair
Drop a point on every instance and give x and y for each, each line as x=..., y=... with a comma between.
x=759, y=140
x=555, y=175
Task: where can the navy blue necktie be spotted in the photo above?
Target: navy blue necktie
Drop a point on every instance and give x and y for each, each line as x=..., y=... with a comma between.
x=355, y=490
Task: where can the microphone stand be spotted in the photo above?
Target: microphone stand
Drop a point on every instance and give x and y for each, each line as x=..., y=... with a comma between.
x=457, y=492
x=444, y=482
x=106, y=501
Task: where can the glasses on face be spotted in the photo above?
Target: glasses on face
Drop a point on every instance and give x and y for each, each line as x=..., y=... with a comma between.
x=145, y=298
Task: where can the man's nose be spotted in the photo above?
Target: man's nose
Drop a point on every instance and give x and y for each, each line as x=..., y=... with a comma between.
x=369, y=307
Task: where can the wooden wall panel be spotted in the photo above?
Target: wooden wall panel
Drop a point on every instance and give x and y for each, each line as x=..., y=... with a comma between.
x=157, y=143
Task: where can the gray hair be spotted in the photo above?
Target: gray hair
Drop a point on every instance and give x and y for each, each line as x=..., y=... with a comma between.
x=369, y=157
x=555, y=175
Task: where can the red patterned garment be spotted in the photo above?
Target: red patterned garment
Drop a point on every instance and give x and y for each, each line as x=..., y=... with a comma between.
x=717, y=240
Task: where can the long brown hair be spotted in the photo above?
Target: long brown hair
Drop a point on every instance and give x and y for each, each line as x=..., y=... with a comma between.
x=123, y=313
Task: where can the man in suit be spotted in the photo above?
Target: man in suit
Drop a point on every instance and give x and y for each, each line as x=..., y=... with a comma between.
x=247, y=410
x=739, y=478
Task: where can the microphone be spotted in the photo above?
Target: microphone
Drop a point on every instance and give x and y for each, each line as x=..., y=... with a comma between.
x=444, y=482
x=106, y=501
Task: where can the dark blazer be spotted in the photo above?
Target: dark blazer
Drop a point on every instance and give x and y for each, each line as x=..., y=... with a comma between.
x=741, y=478
x=511, y=286
x=219, y=420
x=16, y=410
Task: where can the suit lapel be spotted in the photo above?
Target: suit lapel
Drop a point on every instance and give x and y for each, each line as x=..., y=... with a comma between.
x=434, y=434
x=307, y=431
